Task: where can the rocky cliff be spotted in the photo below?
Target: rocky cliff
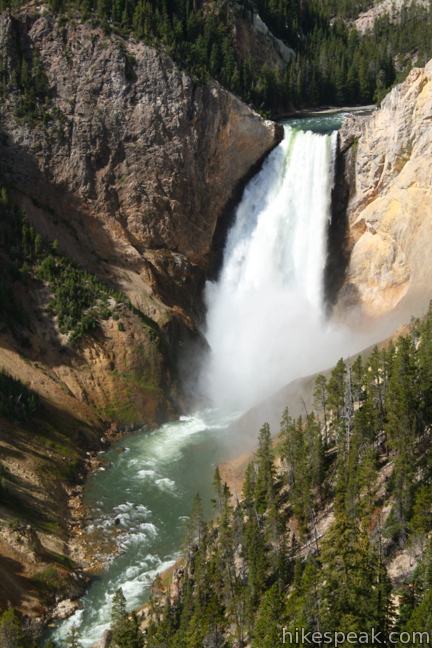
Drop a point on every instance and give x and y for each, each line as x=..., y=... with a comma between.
x=390, y=209
x=125, y=161
x=132, y=163
x=254, y=40
x=124, y=169
x=391, y=8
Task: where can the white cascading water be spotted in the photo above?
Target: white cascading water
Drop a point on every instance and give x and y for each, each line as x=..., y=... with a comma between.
x=265, y=314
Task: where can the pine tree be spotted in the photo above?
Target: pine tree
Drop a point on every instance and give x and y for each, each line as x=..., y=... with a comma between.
x=320, y=402
x=354, y=590
x=197, y=527
x=72, y=640
x=264, y=486
x=401, y=427
x=421, y=520
x=125, y=628
x=268, y=625
x=336, y=401
x=303, y=606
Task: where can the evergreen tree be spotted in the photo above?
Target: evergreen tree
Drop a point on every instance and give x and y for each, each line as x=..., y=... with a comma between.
x=264, y=492
x=354, y=587
x=126, y=632
x=12, y=633
x=303, y=606
x=401, y=427
x=72, y=640
x=268, y=625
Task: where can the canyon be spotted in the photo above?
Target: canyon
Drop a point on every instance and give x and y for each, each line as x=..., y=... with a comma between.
x=134, y=167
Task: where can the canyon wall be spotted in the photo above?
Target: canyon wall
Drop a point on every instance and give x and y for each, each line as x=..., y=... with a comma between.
x=390, y=209
x=135, y=159
x=126, y=167
x=129, y=165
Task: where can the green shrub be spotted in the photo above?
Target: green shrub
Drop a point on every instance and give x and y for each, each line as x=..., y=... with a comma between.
x=16, y=400
x=79, y=300
x=12, y=633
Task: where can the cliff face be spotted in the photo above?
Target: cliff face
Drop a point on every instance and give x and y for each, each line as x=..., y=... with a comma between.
x=136, y=161
x=392, y=8
x=390, y=209
x=129, y=165
x=253, y=39
x=111, y=150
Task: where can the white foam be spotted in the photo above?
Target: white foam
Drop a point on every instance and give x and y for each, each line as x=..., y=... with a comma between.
x=134, y=582
x=146, y=472
x=146, y=531
x=166, y=484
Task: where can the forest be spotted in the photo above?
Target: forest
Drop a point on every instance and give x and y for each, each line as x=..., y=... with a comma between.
x=333, y=63
x=324, y=515
x=328, y=509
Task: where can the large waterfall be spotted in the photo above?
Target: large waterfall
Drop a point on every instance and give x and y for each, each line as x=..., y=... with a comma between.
x=265, y=313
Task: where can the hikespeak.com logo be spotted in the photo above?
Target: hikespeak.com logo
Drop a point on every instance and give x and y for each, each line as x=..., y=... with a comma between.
x=303, y=637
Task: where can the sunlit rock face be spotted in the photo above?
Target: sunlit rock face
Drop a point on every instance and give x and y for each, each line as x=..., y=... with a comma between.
x=391, y=8
x=136, y=160
x=390, y=211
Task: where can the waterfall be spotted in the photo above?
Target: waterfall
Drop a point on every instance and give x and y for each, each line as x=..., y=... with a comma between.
x=265, y=314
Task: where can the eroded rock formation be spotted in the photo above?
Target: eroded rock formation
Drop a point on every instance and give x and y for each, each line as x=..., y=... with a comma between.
x=131, y=167
x=390, y=209
x=136, y=160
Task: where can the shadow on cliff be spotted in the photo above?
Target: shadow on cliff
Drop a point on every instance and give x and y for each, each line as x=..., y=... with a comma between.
x=59, y=215
x=226, y=220
x=338, y=246
x=13, y=582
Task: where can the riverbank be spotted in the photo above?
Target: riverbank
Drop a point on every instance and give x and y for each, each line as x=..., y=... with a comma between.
x=80, y=549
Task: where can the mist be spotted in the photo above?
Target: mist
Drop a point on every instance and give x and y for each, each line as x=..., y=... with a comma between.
x=266, y=322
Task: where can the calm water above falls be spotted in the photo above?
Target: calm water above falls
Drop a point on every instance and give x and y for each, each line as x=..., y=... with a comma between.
x=267, y=303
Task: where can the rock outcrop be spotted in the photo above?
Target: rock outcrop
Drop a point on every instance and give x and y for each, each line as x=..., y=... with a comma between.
x=254, y=41
x=135, y=162
x=392, y=8
x=390, y=209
